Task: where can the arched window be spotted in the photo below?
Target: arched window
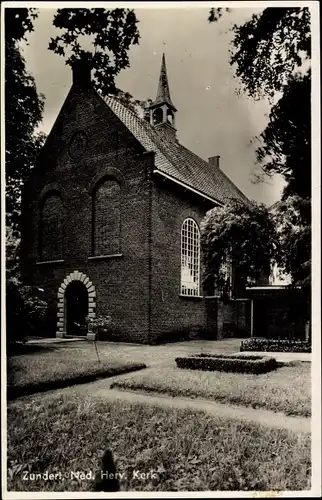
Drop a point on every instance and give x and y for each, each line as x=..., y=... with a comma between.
x=107, y=218
x=170, y=117
x=190, y=258
x=157, y=116
x=51, y=237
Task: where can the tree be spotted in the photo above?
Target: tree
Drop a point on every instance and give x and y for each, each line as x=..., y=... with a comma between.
x=294, y=256
x=25, y=310
x=271, y=53
x=270, y=47
x=286, y=140
x=244, y=232
x=294, y=234
x=112, y=33
x=23, y=112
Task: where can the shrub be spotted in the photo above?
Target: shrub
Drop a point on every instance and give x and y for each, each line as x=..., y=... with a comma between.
x=100, y=326
x=98, y=322
x=270, y=345
x=25, y=311
x=228, y=364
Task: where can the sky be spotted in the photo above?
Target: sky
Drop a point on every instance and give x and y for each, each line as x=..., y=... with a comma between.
x=211, y=119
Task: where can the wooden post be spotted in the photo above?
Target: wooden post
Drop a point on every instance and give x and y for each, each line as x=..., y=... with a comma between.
x=251, y=317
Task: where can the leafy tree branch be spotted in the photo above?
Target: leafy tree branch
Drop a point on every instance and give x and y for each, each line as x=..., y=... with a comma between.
x=112, y=33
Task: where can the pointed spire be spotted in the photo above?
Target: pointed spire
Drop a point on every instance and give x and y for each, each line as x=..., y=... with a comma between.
x=163, y=93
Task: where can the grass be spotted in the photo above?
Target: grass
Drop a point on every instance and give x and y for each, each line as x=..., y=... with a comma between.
x=58, y=367
x=149, y=354
x=287, y=390
x=36, y=365
x=189, y=450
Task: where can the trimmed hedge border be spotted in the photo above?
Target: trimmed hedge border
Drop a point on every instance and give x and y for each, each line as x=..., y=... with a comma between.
x=229, y=356
x=226, y=363
x=17, y=391
x=272, y=345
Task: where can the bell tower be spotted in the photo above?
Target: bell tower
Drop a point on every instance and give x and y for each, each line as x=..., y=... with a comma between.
x=162, y=110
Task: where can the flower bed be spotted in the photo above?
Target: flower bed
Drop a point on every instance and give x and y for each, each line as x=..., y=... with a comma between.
x=212, y=362
x=271, y=345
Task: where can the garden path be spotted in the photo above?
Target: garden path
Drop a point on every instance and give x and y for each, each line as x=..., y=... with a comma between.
x=102, y=389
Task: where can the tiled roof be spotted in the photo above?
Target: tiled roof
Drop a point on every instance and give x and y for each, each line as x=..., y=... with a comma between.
x=176, y=161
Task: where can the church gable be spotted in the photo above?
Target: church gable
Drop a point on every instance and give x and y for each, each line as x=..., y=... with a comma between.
x=85, y=130
x=88, y=172
x=90, y=127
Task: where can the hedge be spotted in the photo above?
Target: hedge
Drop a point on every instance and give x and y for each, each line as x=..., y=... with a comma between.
x=272, y=345
x=234, y=356
x=228, y=364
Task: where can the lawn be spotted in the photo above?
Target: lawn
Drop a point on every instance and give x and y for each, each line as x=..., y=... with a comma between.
x=287, y=390
x=37, y=365
x=187, y=450
x=52, y=367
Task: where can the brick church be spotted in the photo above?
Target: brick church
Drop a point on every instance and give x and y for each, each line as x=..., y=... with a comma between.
x=111, y=221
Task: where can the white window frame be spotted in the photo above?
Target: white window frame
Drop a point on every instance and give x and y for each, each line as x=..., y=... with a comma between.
x=190, y=287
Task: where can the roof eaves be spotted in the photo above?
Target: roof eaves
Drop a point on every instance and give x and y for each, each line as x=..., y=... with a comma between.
x=186, y=186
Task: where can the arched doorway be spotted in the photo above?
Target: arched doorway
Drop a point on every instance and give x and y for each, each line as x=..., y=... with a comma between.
x=81, y=278
x=76, y=297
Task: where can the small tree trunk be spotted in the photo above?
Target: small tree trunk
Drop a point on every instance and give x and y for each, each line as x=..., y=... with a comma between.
x=308, y=331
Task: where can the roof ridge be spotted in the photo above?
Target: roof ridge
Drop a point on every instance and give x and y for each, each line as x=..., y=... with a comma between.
x=143, y=122
x=140, y=120
x=129, y=110
x=153, y=134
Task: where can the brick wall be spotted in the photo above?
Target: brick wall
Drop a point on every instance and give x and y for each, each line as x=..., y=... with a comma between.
x=211, y=306
x=140, y=288
x=121, y=283
x=225, y=319
x=279, y=313
x=233, y=318
x=171, y=314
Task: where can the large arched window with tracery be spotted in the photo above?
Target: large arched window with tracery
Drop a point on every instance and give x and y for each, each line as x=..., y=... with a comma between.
x=190, y=258
x=107, y=218
x=51, y=229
